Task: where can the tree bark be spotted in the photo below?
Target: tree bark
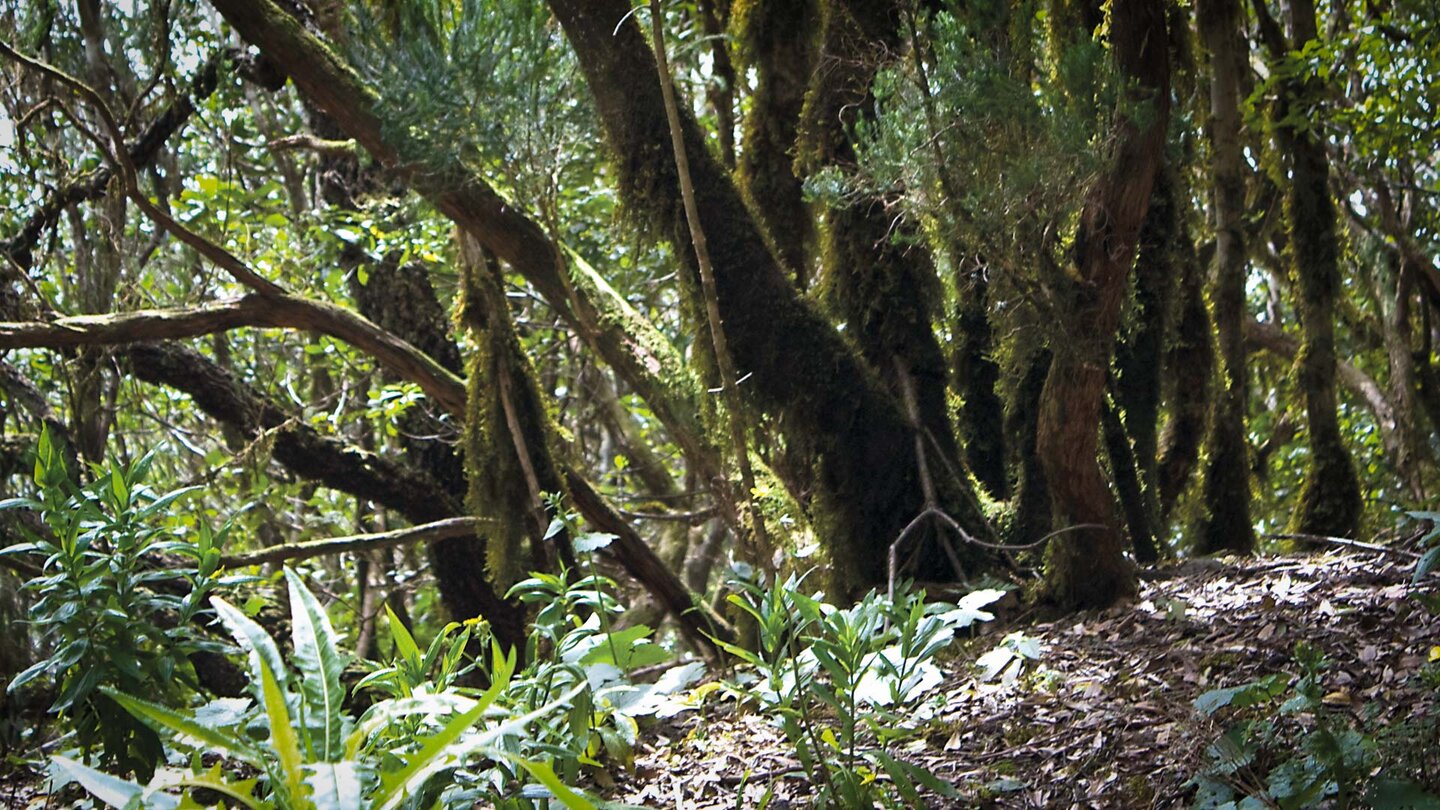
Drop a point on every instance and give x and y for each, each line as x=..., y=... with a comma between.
x=1087, y=567
x=1226, y=524
x=777, y=40
x=866, y=479
x=1330, y=497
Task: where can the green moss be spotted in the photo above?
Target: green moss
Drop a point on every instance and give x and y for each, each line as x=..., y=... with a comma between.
x=500, y=486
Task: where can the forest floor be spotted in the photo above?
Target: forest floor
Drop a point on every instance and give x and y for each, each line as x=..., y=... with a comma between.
x=1105, y=717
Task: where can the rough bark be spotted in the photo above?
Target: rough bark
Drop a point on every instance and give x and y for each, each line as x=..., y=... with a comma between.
x=1140, y=354
x=866, y=480
x=1329, y=501
x=1189, y=363
x=777, y=40
x=1125, y=474
x=1225, y=524
x=1032, y=517
x=878, y=278
x=1087, y=567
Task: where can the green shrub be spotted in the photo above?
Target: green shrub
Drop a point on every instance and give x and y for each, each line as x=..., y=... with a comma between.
x=843, y=684
x=98, y=605
x=1287, y=748
x=308, y=753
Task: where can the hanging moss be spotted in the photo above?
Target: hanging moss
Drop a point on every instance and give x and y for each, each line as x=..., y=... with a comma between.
x=501, y=487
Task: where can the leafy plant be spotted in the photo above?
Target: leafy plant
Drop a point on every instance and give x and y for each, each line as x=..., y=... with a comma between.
x=842, y=683
x=100, y=605
x=306, y=750
x=1431, y=558
x=1288, y=748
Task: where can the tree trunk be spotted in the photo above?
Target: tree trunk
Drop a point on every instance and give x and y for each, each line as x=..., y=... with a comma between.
x=1330, y=497
x=1189, y=363
x=777, y=40
x=866, y=481
x=1087, y=567
x=1226, y=524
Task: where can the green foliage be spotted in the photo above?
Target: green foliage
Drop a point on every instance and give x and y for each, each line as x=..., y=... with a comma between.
x=101, y=603
x=1431, y=558
x=1288, y=747
x=843, y=684
x=307, y=751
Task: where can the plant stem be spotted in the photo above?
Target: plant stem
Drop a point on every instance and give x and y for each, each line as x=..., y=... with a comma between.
x=759, y=550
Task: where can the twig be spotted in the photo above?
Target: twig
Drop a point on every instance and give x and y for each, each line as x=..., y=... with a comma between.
x=118, y=154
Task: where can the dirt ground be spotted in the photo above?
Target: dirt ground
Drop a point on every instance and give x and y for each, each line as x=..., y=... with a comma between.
x=1104, y=718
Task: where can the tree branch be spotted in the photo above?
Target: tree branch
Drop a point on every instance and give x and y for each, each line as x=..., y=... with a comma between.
x=275, y=311
x=424, y=533
x=1270, y=337
x=118, y=154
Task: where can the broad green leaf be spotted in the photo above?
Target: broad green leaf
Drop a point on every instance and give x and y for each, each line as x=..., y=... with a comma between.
x=253, y=639
x=282, y=736
x=404, y=642
x=335, y=785
x=320, y=665
x=546, y=776
x=204, y=737
x=434, y=752
x=112, y=790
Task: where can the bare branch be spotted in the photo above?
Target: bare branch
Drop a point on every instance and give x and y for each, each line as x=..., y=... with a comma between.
x=117, y=154
x=274, y=311
x=424, y=533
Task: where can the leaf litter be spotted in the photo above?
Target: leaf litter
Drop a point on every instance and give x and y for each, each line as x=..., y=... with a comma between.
x=1096, y=709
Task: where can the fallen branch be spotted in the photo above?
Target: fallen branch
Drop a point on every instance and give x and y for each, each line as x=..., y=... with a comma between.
x=424, y=533
x=1346, y=542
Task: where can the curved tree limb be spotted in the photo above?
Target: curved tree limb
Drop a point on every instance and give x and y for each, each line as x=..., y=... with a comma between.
x=276, y=311
x=1272, y=338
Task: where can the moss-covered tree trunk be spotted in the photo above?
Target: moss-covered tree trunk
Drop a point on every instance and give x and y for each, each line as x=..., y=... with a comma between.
x=1140, y=354
x=1189, y=363
x=1225, y=524
x=1087, y=567
x=877, y=276
x=1330, y=497
x=865, y=481
x=778, y=40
